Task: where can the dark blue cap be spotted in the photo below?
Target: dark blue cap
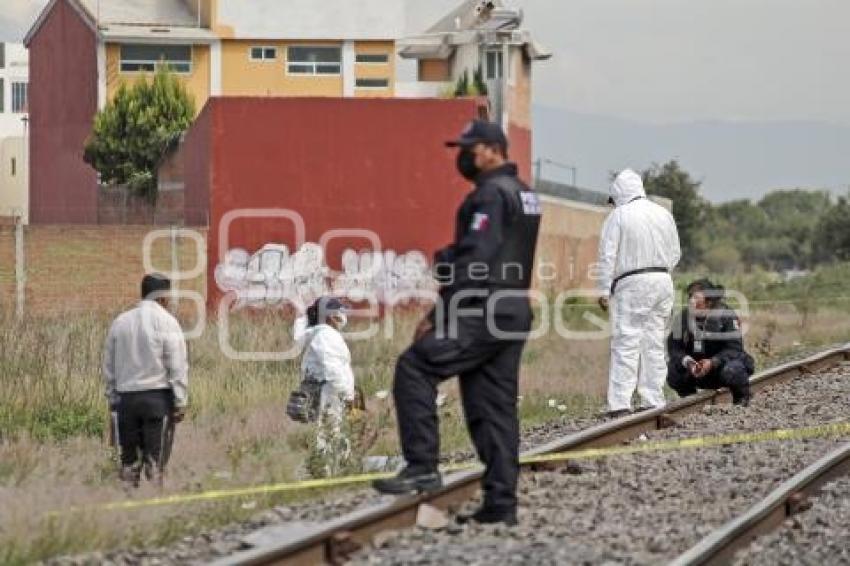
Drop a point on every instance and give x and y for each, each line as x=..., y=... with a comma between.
x=329, y=304
x=480, y=131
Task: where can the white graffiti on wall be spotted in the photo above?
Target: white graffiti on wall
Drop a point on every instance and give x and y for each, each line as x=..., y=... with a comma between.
x=273, y=274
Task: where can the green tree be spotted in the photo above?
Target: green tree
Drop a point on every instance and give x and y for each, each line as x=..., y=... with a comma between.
x=462, y=87
x=794, y=217
x=134, y=129
x=832, y=237
x=689, y=208
x=722, y=258
x=478, y=82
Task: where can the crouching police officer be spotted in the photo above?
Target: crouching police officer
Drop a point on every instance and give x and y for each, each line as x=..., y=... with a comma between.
x=706, y=347
x=477, y=331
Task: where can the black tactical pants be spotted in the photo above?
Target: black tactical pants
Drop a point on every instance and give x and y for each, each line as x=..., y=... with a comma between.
x=734, y=374
x=146, y=429
x=488, y=369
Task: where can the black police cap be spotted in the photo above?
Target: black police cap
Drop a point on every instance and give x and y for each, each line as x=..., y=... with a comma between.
x=480, y=131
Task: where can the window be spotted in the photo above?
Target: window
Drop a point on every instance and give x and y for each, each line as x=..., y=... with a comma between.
x=314, y=60
x=14, y=167
x=19, y=97
x=2, y=55
x=147, y=58
x=2, y=96
x=373, y=58
x=263, y=53
x=372, y=83
x=495, y=69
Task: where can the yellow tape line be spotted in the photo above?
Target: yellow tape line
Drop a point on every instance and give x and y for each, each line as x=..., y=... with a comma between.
x=823, y=431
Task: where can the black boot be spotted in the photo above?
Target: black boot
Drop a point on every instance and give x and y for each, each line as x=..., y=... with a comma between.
x=490, y=515
x=410, y=480
x=743, y=400
x=741, y=394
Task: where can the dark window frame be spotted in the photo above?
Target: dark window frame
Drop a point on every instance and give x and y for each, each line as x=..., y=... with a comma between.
x=313, y=68
x=20, y=97
x=372, y=58
x=267, y=53
x=139, y=62
x=360, y=83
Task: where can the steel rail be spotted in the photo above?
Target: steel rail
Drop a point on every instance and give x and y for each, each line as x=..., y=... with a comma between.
x=334, y=541
x=789, y=498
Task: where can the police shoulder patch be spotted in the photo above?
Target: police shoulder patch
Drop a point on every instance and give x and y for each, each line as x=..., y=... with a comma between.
x=480, y=222
x=531, y=203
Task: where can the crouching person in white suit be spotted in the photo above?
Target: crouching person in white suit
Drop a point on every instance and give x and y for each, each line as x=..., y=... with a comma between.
x=638, y=249
x=328, y=380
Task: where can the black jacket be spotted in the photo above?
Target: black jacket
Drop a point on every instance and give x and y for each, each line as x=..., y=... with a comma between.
x=716, y=337
x=496, y=226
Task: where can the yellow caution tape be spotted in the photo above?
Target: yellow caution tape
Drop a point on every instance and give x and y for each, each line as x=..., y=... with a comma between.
x=824, y=431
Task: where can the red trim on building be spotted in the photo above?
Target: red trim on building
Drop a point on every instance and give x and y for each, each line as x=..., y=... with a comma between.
x=520, y=150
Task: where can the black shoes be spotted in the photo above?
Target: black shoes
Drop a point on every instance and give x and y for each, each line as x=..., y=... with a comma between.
x=489, y=516
x=410, y=480
x=743, y=401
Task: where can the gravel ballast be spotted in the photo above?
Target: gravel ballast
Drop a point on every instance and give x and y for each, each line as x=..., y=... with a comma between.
x=635, y=509
x=644, y=508
x=818, y=536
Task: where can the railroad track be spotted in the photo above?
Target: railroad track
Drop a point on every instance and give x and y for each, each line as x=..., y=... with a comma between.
x=785, y=501
x=340, y=539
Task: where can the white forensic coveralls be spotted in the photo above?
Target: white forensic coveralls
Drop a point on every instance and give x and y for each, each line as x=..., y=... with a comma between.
x=638, y=234
x=326, y=360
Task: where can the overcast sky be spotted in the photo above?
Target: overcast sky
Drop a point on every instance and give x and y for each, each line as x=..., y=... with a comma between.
x=660, y=62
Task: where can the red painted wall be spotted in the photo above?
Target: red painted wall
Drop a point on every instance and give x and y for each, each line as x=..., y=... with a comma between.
x=379, y=165
x=62, y=104
x=197, y=169
x=520, y=150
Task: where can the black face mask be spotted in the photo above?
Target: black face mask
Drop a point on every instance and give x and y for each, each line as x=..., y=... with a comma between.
x=466, y=164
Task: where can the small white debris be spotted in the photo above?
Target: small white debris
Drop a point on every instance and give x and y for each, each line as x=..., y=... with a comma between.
x=383, y=394
x=222, y=475
x=562, y=408
x=643, y=438
x=248, y=505
x=553, y=403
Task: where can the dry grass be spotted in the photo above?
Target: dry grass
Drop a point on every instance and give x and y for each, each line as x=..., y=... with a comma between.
x=52, y=417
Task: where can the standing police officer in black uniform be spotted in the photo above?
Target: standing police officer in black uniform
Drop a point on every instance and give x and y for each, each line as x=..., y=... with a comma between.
x=706, y=348
x=477, y=331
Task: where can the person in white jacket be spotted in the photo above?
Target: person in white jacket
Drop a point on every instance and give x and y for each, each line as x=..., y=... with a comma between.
x=145, y=372
x=326, y=365
x=638, y=250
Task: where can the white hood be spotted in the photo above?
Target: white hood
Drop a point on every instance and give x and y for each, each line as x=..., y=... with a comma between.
x=626, y=187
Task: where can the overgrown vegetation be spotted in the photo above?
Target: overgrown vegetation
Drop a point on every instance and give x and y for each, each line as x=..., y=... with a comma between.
x=785, y=230
x=474, y=87
x=53, y=417
x=134, y=129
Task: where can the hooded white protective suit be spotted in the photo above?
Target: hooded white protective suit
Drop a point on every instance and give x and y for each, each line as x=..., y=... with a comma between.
x=326, y=360
x=638, y=234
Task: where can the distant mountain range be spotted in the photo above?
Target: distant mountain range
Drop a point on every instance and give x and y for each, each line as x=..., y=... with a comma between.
x=733, y=159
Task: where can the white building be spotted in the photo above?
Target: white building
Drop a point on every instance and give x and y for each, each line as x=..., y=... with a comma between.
x=14, y=79
x=14, y=170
